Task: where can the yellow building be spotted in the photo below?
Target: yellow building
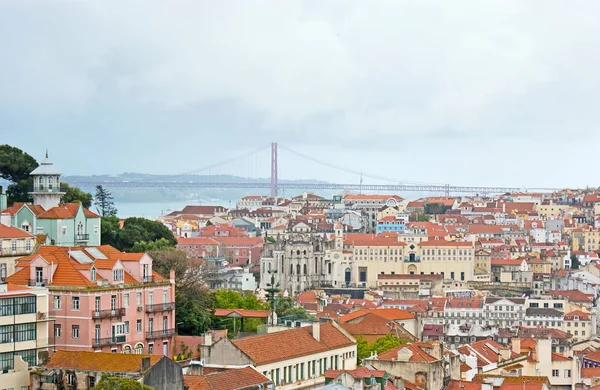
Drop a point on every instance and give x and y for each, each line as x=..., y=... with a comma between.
x=373, y=255
x=553, y=211
x=586, y=239
x=539, y=266
x=578, y=324
x=482, y=261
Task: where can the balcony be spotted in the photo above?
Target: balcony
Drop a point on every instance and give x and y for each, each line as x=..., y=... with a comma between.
x=110, y=313
x=148, y=279
x=38, y=282
x=48, y=188
x=160, y=334
x=15, y=252
x=115, y=340
x=82, y=237
x=167, y=306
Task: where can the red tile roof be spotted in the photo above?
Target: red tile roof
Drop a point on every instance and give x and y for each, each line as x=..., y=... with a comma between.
x=388, y=314
x=418, y=354
x=359, y=373
x=288, y=344
x=13, y=232
x=591, y=372
x=233, y=379
x=241, y=313
x=98, y=361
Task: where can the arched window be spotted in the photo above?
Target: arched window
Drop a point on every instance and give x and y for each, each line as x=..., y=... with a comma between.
x=304, y=252
x=127, y=349
x=305, y=268
x=80, y=228
x=269, y=266
x=139, y=348
x=348, y=275
x=316, y=264
x=298, y=252
x=298, y=269
x=93, y=274
x=291, y=269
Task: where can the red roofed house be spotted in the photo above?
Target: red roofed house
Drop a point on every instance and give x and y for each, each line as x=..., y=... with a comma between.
x=66, y=224
x=426, y=364
x=376, y=323
x=14, y=242
x=293, y=358
x=103, y=299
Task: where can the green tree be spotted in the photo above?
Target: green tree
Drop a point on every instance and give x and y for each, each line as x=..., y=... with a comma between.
x=385, y=343
x=19, y=192
x=208, y=223
x=284, y=306
x=116, y=383
x=575, y=263
x=15, y=165
x=229, y=299
x=194, y=304
x=436, y=208
x=74, y=194
x=104, y=202
x=137, y=234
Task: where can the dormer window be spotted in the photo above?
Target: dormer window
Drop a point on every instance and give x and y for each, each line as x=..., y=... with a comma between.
x=93, y=274
x=118, y=275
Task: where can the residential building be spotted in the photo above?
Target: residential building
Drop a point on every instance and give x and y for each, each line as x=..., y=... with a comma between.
x=14, y=243
x=504, y=312
x=425, y=364
x=25, y=334
x=83, y=370
x=461, y=311
x=376, y=323
x=102, y=299
x=369, y=205
x=66, y=224
x=225, y=378
x=294, y=358
x=395, y=223
x=551, y=318
x=363, y=378
x=579, y=324
x=406, y=286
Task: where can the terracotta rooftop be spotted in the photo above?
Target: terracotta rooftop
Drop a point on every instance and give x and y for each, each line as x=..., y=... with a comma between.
x=418, y=354
x=233, y=379
x=288, y=344
x=13, y=232
x=98, y=361
x=241, y=313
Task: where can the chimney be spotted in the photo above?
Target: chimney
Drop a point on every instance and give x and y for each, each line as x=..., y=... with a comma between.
x=145, y=364
x=316, y=330
x=516, y=345
x=208, y=339
x=172, y=276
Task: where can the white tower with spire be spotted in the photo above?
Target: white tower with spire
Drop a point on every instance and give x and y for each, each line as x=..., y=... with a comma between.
x=46, y=185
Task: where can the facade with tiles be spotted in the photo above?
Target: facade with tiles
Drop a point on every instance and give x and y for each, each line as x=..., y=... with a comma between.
x=103, y=299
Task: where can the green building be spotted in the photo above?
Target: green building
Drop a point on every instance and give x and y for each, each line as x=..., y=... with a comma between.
x=63, y=224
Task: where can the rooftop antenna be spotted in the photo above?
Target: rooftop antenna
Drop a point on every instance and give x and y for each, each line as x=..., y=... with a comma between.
x=46, y=153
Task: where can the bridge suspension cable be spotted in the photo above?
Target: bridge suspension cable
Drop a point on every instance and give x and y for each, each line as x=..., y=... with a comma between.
x=224, y=162
x=351, y=171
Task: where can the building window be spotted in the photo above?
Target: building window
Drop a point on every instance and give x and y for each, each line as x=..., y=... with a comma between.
x=28, y=245
x=138, y=326
x=14, y=246
x=75, y=331
x=3, y=271
x=57, y=331
x=138, y=299
x=126, y=327
x=118, y=275
x=126, y=300
x=567, y=373
x=91, y=381
x=64, y=230
x=139, y=348
x=93, y=274
x=71, y=379
x=75, y=303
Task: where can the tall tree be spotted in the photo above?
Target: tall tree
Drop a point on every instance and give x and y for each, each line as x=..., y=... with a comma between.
x=194, y=304
x=104, y=202
x=15, y=165
x=74, y=194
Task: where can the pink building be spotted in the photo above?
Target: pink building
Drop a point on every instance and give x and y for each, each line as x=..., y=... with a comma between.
x=103, y=299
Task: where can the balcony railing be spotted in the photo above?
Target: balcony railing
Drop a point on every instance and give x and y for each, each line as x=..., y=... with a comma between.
x=48, y=188
x=38, y=282
x=167, y=306
x=17, y=252
x=110, y=313
x=160, y=334
x=115, y=340
x=148, y=279
x=82, y=237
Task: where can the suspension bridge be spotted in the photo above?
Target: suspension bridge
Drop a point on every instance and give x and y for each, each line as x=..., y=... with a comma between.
x=275, y=184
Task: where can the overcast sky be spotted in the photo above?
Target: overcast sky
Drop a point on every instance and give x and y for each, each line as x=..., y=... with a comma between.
x=472, y=93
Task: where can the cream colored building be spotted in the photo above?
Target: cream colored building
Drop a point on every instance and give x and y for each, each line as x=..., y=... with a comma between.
x=553, y=211
x=14, y=243
x=578, y=324
x=585, y=239
x=25, y=334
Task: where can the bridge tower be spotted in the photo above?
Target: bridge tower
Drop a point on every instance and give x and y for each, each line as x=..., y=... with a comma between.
x=274, y=179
